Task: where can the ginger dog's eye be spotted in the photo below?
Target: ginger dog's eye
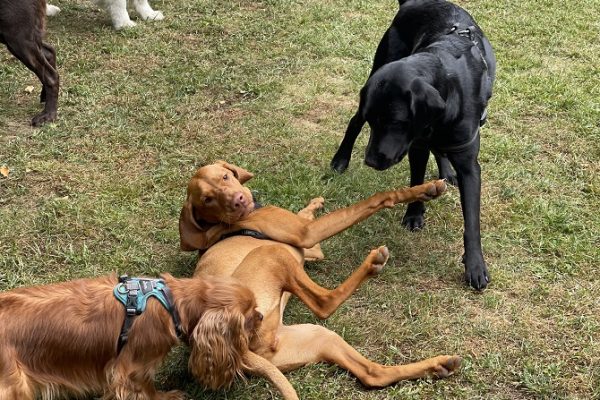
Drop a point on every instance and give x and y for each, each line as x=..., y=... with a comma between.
x=208, y=200
x=225, y=177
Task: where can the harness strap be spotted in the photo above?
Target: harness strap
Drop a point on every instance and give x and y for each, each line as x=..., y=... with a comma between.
x=246, y=232
x=421, y=144
x=133, y=293
x=468, y=33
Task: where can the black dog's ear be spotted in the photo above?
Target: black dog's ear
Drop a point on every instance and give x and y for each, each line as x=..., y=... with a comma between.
x=426, y=103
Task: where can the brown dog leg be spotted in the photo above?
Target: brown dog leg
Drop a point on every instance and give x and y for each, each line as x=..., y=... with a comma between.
x=314, y=253
x=306, y=344
x=273, y=270
x=324, y=302
x=29, y=52
x=286, y=227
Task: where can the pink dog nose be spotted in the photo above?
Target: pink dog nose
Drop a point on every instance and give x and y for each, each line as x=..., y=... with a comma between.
x=239, y=200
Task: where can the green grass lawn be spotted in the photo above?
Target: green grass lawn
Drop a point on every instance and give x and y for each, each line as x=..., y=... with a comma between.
x=270, y=85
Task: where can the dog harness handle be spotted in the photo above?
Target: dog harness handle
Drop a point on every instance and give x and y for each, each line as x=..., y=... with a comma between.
x=134, y=293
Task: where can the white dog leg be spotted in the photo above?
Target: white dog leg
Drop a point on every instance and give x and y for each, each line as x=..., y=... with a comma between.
x=51, y=10
x=118, y=13
x=146, y=12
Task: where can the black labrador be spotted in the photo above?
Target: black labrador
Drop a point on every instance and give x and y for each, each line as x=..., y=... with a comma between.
x=431, y=80
x=22, y=26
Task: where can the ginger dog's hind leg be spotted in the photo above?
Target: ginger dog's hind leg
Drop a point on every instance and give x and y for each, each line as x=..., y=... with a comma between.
x=277, y=264
x=323, y=302
x=307, y=344
x=272, y=270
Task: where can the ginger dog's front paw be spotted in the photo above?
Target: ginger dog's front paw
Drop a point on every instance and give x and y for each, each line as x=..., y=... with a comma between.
x=445, y=366
x=431, y=190
x=377, y=259
x=316, y=204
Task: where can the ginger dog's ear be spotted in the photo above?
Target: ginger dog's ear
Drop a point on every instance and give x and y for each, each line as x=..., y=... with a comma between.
x=240, y=173
x=191, y=235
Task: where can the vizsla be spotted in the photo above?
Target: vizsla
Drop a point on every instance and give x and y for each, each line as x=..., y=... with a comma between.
x=265, y=249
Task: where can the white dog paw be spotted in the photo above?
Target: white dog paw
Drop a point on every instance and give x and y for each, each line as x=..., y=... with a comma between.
x=124, y=24
x=51, y=10
x=155, y=16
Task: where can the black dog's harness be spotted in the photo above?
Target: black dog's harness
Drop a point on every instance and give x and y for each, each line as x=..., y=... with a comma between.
x=134, y=294
x=468, y=33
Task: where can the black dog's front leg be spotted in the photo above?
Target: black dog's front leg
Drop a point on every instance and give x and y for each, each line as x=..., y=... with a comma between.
x=342, y=157
x=469, y=184
x=414, y=219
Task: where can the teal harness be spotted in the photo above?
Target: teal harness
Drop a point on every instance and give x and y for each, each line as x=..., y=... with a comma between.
x=134, y=294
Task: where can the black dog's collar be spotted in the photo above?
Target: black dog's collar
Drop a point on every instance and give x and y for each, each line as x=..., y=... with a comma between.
x=423, y=144
x=457, y=148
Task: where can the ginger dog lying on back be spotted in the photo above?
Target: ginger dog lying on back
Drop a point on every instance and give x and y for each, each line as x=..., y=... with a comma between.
x=265, y=248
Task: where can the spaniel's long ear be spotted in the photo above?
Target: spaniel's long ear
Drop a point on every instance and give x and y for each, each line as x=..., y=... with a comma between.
x=240, y=173
x=191, y=235
x=219, y=342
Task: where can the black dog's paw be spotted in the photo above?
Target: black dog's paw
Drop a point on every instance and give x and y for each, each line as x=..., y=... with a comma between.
x=339, y=163
x=414, y=218
x=476, y=273
x=42, y=118
x=413, y=222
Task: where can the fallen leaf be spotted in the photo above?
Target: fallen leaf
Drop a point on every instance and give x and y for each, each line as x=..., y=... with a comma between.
x=4, y=171
x=29, y=89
